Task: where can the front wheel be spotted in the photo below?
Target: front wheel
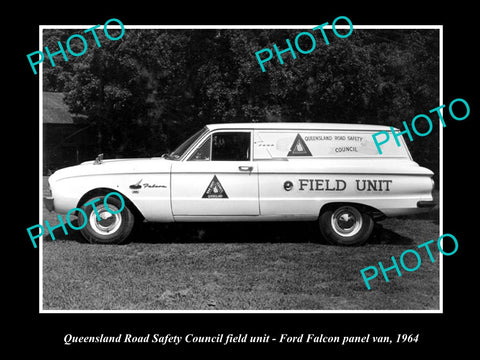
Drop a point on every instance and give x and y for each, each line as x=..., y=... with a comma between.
x=345, y=225
x=109, y=226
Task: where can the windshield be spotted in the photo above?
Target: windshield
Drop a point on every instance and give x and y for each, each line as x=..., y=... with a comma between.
x=179, y=151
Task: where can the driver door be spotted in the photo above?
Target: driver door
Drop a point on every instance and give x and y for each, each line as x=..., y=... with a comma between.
x=217, y=178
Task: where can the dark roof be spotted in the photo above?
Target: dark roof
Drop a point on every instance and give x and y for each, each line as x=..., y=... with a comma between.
x=55, y=111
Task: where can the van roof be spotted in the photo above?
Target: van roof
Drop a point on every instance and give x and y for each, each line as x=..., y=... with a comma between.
x=298, y=126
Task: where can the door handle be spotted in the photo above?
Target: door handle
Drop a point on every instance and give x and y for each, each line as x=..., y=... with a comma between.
x=245, y=168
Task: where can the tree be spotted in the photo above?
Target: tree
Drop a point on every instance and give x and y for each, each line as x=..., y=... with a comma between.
x=147, y=91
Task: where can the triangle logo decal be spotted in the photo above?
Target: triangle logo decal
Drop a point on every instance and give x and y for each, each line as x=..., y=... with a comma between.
x=215, y=190
x=299, y=148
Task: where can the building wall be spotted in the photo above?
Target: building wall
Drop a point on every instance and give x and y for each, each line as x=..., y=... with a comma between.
x=66, y=145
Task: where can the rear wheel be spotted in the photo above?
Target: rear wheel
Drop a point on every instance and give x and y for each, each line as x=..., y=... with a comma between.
x=109, y=226
x=345, y=225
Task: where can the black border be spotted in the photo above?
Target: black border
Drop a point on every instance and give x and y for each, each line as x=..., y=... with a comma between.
x=437, y=331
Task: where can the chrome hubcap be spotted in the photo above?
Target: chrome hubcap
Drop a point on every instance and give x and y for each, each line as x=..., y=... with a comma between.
x=347, y=221
x=108, y=223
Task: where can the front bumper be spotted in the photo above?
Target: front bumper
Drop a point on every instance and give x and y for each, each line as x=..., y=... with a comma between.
x=48, y=201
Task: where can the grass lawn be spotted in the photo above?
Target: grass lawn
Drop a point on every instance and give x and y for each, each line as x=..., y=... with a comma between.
x=261, y=266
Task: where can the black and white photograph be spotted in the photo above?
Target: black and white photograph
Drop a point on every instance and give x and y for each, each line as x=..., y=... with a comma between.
x=241, y=189
x=221, y=185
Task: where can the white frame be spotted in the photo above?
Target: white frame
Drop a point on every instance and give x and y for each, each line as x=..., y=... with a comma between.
x=299, y=27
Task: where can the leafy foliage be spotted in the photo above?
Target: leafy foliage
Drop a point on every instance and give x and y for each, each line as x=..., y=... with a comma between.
x=149, y=90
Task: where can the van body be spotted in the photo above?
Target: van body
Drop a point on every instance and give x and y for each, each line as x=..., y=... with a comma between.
x=330, y=173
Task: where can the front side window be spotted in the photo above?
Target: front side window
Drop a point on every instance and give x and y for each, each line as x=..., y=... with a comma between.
x=203, y=151
x=182, y=149
x=224, y=146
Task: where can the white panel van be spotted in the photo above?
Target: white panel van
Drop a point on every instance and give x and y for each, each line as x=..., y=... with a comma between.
x=329, y=173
